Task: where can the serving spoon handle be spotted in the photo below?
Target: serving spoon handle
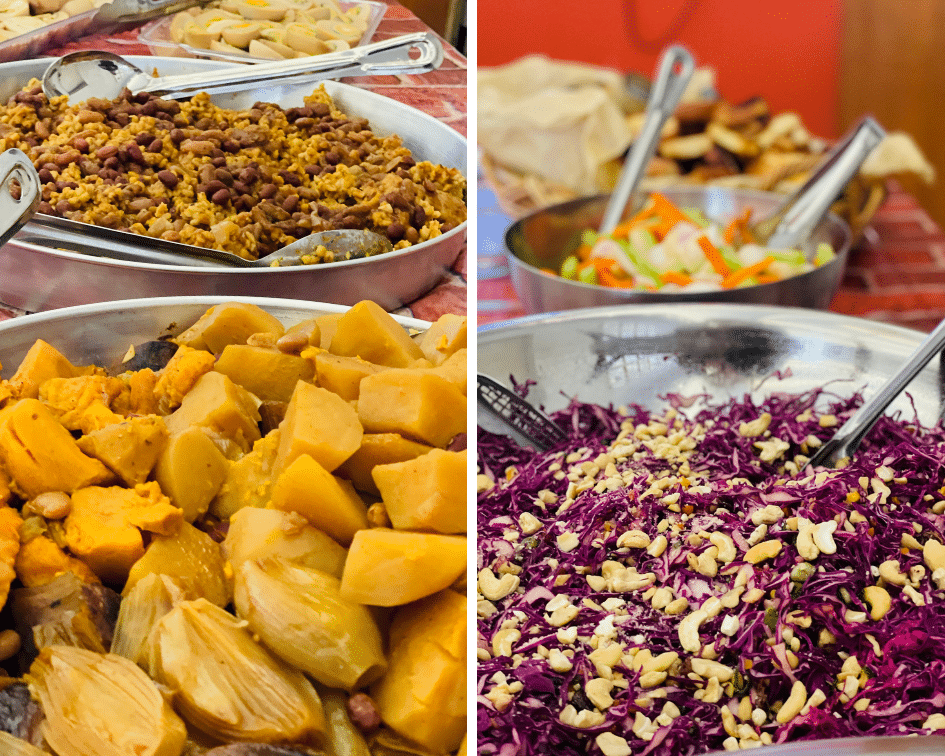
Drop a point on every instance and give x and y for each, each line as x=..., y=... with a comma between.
x=848, y=437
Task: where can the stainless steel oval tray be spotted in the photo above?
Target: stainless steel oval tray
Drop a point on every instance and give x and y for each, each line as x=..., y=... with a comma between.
x=101, y=333
x=34, y=277
x=640, y=353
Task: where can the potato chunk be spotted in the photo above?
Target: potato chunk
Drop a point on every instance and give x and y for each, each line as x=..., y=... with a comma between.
x=104, y=527
x=341, y=375
x=41, y=455
x=266, y=373
x=423, y=694
x=368, y=332
x=444, y=338
x=41, y=363
x=248, y=481
x=425, y=493
x=219, y=405
x=130, y=448
x=191, y=558
x=378, y=449
x=391, y=567
x=190, y=471
x=320, y=424
x=229, y=323
x=413, y=403
x=329, y=503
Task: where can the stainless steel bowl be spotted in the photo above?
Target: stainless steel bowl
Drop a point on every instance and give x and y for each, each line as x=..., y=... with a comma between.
x=640, y=353
x=544, y=238
x=34, y=277
x=101, y=333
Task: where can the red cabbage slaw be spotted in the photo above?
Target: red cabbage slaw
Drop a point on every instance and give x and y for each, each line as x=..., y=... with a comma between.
x=678, y=584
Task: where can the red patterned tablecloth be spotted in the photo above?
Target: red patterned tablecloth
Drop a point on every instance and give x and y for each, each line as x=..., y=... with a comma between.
x=440, y=93
x=895, y=273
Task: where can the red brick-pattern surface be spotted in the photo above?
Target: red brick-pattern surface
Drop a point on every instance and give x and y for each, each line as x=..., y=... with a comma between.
x=895, y=273
x=441, y=94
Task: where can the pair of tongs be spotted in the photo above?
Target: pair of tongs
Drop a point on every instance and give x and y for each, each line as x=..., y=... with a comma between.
x=136, y=11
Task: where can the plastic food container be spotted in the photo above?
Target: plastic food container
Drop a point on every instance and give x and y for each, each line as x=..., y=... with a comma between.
x=157, y=36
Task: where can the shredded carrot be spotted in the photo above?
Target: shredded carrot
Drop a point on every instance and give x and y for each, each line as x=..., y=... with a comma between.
x=738, y=228
x=667, y=210
x=766, y=278
x=676, y=277
x=608, y=278
x=583, y=252
x=734, y=279
x=714, y=256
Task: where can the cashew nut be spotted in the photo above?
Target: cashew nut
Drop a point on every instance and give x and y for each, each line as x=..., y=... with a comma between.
x=725, y=545
x=889, y=571
x=689, y=630
x=764, y=550
x=795, y=702
x=634, y=539
x=934, y=555
x=494, y=588
x=598, y=692
x=504, y=640
x=706, y=668
x=658, y=546
x=823, y=537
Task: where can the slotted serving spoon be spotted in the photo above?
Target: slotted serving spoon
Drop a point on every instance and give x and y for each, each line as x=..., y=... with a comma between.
x=846, y=440
x=62, y=233
x=85, y=74
x=517, y=414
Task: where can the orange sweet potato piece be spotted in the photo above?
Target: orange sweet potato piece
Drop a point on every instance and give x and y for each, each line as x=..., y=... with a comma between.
x=413, y=403
x=378, y=449
x=268, y=373
x=104, y=527
x=10, y=522
x=425, y=493
x=369, y=332
x=41, y=363
x=130, y=448
x=179, y=376
x=320, y=424
x=41, y=455
x=40, y=561
x=388, y=567
x=83, y=403
x=330, y=504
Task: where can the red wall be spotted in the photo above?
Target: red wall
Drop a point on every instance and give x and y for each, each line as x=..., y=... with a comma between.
x=784, y=50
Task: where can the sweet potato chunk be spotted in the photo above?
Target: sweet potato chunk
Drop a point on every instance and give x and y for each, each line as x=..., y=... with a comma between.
x=179, y=376
x=10, y=522
x=41, y=363
x=190, y=471
x=423, y=694
x=229, y=323
x=104, y=527
x=413, y=403
x=342, y=375
x=320, y=424
x=368, y=332
x=378, y=449
x=425, y=493
x=83, y=403
x=388, y=567
x=41, y=455
x=191, y=558
x=130, y=448
x=267, y=373
x=222, y=407
x=248, y=481
x=443, y=338
x=264, y=533
x=329, y=503
x=40, y=561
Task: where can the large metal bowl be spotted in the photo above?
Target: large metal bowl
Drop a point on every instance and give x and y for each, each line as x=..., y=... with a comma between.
x=34, y=277
x=101, y=333
x=640, y=353
x=544, y=238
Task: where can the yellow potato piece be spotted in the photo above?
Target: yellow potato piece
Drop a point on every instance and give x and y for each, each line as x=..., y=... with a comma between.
x=190, y=471
x=327, y=326
x=443, y=338
x=423, y=694
x=318, y=423
x=267, y=373
x=192, y=559
x=388, y=567
x=413, y=403
x=378, y=449
x=229, y=323
x=40, y=455
x=248, y=481
x=425, y=493
x=219, y=405
x=329, y=503
x=342, y=375
x=369, y=332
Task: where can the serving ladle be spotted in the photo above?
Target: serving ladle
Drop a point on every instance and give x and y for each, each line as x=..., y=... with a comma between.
x=85, y=74
x=848, y=437
x=18, y=207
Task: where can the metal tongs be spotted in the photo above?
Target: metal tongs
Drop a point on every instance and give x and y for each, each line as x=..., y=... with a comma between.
x=846, y=440
x=19, y=192
x=517, y=414
x=136, y=11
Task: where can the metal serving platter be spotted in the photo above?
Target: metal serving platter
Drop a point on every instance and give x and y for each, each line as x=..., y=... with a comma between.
x=34, y=277
x=891, y=746
x=640, y=353
x=101, y=333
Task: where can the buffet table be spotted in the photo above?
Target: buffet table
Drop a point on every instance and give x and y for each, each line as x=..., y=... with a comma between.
x=441, y=94
x=895, y=272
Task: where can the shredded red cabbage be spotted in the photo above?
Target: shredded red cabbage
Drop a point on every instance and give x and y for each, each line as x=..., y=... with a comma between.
x=821, y=594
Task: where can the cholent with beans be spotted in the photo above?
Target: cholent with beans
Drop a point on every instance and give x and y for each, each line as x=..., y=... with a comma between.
x=248, y=539
x=248, y=182
x=679, y=581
